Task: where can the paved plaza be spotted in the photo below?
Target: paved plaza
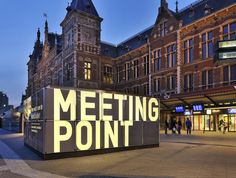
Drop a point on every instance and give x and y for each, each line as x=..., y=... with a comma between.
x=209, y=155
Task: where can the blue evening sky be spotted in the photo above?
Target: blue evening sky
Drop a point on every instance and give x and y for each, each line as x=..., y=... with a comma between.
x=21, y=18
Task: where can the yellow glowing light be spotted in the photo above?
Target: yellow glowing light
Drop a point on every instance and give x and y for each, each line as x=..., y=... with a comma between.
x=143, y=108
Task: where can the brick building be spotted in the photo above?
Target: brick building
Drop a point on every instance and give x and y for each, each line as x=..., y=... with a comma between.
x=187, y=59
x=3, y=100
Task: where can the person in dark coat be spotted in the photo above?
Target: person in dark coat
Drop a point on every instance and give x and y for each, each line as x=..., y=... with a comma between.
x=174, y=123
x=166, y=126
x=179, y=126
x=188, y=126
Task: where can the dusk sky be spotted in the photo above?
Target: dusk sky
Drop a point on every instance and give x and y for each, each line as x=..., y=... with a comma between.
x=21, y=18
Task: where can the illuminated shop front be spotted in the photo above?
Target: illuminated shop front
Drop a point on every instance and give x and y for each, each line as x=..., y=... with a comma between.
x=204, y=108
x=207, y=119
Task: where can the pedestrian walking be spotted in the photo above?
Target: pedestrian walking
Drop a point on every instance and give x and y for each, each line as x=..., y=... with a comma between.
x=174, y=123
x=166, y=126
x=179, y=126
x=188, y=126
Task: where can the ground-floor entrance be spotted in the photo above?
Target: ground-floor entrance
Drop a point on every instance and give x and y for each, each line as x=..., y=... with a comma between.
x=207, y=122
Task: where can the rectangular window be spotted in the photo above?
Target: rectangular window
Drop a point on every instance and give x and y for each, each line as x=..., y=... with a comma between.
x=225, y=32
x=146, y=65
x=207, y=79
x=127, y=71
x=229, y=31
x=233, y=73
x=191, y=82
x=87, y=70
x=171, y=56
x=107, y=75
x=233, y=31
x=207, y=45
x=188, y=83
x=163, y=29
x=136, y=90
x=226, y=74
x=146, y=89
x=174, y=55
x=173, y=84
x=157, y=85
x=204, y=50
x=210, y=44
x=119, y=74
x=169, y=83
x=204, y=79
x=191, y=54
x=186, y=52
x=210, y=78
x=159, y=59
x=136, y=68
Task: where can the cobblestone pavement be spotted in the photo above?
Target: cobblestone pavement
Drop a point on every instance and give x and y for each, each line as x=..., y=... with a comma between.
x=209, y=155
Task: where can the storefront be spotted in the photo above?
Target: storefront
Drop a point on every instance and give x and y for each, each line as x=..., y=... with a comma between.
x=208, y=119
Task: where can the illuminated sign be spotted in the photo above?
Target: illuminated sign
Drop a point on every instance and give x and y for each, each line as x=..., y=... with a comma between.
x=179, y=109
x=198, y=108
x=231, y=111
x=227, y=55
x=187, y=113
x=208, y=112
x=85, y=120
x=227, y=44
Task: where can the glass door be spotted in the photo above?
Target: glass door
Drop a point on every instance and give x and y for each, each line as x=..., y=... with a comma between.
x=232, y=123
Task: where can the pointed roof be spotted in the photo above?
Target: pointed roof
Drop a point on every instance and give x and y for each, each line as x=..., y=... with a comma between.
x=86, y=6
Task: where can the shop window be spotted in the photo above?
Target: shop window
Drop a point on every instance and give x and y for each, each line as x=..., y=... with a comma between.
x=229, y=31
x=87, y=70
x=107, y=75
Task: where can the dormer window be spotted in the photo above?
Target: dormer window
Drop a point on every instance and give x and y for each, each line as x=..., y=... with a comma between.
x=207, y=9
x=191, y=11
x=163, y=28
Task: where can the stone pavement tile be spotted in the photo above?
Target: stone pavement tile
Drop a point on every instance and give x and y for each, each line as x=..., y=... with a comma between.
x=2, y=162
x=8, y=174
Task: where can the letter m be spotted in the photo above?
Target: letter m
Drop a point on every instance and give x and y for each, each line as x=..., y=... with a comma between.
x=64, y=104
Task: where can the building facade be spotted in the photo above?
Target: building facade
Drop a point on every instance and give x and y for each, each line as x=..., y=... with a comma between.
x=3, y=100
x=187, y=59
